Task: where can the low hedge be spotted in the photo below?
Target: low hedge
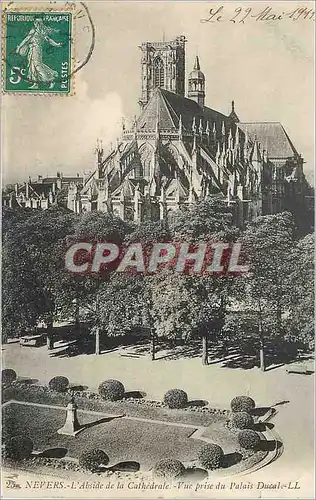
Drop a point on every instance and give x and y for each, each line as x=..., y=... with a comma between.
x=241, y=420
x=18, y=447
x=113, y=390
x=168, y=469
x=92, y=460
x=176, y=398
x=59, y=384
x=242, y=403
x=8, y=376
x=210, y=456
x=249, y=439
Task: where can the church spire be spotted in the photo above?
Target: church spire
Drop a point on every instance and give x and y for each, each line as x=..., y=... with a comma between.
x=233, y=116
x=197, y=64
x=196, y=83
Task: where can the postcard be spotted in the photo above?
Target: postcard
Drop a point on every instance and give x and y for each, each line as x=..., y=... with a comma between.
x=158, y=249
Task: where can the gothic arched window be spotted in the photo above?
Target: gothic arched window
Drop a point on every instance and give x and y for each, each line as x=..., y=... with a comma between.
x=159, y=73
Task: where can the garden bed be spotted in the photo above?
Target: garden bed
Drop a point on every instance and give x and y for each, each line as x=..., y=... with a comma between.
x=133, y=407
x=122, y=439
x=125, y=440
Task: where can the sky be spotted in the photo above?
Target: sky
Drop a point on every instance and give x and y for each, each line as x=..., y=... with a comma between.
x=267, y=67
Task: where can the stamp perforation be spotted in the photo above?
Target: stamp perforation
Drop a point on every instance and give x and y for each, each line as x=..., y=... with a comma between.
x=57, y=9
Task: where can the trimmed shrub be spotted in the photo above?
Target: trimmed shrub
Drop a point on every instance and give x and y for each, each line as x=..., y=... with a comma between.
x=169, y=469
x=248, y=439
x=59, y=384
x=176, y=398
x=112, y=390
x=18, y=447
x=242, y=403
x=241, y=420
x=91, y=460
x=210, y=456
x=8, y=376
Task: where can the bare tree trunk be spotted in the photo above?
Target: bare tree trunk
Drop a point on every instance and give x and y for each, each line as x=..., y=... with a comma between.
x=279, y=318
x=97, y=331
x=153, y=346
x=97, y=341
x=262, y=347
x=50, y=338
x=77, y=317
x=204, y=350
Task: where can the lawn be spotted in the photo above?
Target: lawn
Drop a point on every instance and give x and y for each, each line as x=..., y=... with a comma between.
x=122, y=439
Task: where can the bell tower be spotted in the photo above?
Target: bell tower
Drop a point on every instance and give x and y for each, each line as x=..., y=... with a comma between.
x=196, y=84
x=162, y=65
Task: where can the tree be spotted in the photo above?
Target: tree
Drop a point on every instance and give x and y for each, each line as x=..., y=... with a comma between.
x=268, y=243
x=147, y=233
x=91, y=291
x=209, y=220
x=300, y=321
x=33, y=266
x=123, y=304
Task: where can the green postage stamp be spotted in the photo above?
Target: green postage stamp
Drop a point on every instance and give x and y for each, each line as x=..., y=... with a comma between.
x=37, y=51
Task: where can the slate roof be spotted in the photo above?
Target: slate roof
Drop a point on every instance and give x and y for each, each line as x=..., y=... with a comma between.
x=168, y=107
x=271, y=136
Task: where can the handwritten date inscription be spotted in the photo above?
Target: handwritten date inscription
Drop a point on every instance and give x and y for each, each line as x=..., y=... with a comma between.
x=245, y=14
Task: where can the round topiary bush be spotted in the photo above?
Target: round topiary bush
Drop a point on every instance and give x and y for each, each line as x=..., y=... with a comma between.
x=112, y=390
x=18, y=447
x=176, y=398
x=59, y=384
x=241, y=420
x=210, y=456
x=242, y=403
x=8, y=376
x=248, y=439
x=169, y=469
x=91, y=460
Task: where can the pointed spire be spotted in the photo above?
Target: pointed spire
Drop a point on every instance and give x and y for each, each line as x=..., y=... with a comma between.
x=207, y=130
x=194, y=125
x=218, y=152
x=135, y=128
x=265, y=156
x=201, y=127
x=194, y=144
x=180, y=127
x=197, y=64
x=214, y=131
x=256, y=154
x=223, y=129
x=233, y=114
x=230, y=139
x=237, y=137
x=224, y=148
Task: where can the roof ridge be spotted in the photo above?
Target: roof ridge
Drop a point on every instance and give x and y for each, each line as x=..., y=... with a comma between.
x=255, y=123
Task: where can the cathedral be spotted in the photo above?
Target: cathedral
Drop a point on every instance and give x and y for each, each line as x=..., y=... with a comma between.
x=178, y=150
